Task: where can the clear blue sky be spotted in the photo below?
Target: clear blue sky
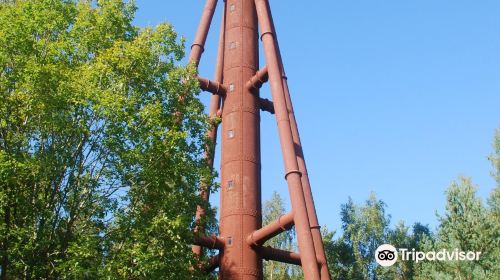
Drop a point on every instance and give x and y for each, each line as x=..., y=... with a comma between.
x=393, y=97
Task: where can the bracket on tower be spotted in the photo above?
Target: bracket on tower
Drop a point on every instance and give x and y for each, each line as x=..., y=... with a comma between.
x=266, y=105
x=273, y=254
x=272, y=229
x=258, y=79
x=212, y=86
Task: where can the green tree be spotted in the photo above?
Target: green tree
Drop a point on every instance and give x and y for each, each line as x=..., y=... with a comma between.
x=100, y=156
x=273, y=209
x=364, y=229
x=401, y=237
x=467, y=225
x=494, y=205
x=495, y=157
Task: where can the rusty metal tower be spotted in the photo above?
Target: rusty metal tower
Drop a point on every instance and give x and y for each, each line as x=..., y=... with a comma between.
x=235, y=98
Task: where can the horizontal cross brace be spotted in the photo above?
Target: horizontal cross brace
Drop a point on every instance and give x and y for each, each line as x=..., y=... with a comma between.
x=210, y=242
x=273, y=254
x=211, y=86
x=258, y=79
x=269, y=231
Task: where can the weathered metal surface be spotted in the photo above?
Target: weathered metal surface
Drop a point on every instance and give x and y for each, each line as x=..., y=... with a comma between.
x=272, y=229
x=293, y=174
x=266, y=105
x=311, y=209
x=214, y=107
x=236, y=84
x=210, y=242
x=212, y=86
x=273, y=254
x=258, y=79
x=240, y=212
x=198, y=46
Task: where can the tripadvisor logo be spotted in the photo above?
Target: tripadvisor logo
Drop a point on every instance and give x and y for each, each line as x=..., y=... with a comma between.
x=387, y=255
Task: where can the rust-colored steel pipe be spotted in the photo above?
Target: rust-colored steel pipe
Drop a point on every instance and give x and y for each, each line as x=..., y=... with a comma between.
x=272, y=229
x=266, y=105
x=214, y=112
x=240, y=212
x=311, y=209
x=199, y=42
x=236, y=99
x=211, y=242
x=258, y=79
x=293, y=174
x=212, y=86
x=273, y=254
x=200, y=38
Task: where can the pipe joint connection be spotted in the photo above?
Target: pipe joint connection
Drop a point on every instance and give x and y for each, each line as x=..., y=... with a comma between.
x=258, y=79
x=266, y=105
x=198, y=45
x=211, y=242
x=293, y=172
x=211, y=86
x=267, y=33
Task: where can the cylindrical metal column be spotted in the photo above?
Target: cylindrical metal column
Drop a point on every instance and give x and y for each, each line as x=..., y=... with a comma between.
x=293, y=174
x=311, y=209
x=198, y=46
x=240, y=212
x=214, y=107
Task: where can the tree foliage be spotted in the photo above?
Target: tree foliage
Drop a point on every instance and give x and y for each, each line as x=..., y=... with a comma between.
x=495, y=157
x=101, y=139
x=468, y=224
x=364, y=229
x=101, y=135
x=273, y=209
